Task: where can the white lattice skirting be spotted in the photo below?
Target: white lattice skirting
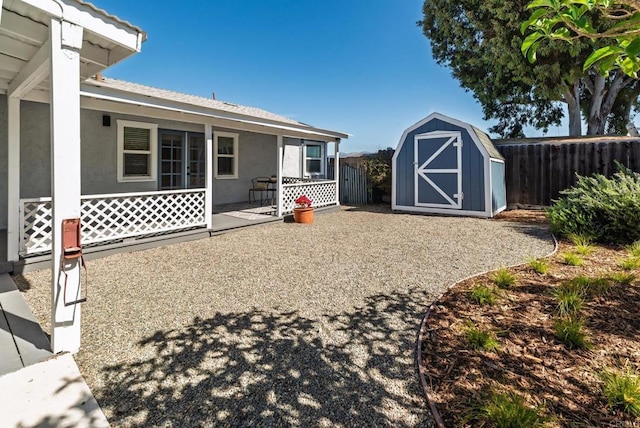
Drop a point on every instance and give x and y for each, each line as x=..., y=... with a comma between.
x=114, y=217
x=321, y=193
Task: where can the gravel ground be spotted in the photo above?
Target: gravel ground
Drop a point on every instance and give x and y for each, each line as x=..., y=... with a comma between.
x=279, y=324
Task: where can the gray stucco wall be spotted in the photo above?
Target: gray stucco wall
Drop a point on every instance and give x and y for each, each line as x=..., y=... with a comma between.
x=472, y=168
x=257, y=156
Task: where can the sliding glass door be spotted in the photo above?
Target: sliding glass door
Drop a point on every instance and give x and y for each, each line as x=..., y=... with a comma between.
x=182, y=160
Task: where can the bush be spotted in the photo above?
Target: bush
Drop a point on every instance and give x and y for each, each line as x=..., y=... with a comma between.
x=503, y=278
x=539, y=266
x=570, y=331
x=606, y=208
x=483, y=295
x=573, y=259
x=509, y=410
x=622, y=389
x=481, y=339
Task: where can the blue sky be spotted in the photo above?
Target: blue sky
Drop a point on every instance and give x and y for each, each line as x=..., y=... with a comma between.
x=357, y=66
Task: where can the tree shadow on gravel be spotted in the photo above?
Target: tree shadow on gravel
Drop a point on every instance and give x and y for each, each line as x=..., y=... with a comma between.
x=275, y=369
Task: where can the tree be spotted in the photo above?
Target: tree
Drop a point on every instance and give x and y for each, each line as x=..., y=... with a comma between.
x=570, y=20
x=480, y=40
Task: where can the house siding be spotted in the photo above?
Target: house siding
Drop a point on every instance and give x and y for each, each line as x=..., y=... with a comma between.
x=472, y=167
x=257, y=156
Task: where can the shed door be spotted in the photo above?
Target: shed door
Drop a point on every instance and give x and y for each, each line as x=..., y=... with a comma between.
x=438, y=170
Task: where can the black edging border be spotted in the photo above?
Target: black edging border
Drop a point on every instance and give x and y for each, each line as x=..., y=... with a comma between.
x=426, y=389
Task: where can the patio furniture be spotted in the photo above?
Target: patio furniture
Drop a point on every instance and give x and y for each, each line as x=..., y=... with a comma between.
x=265, y=187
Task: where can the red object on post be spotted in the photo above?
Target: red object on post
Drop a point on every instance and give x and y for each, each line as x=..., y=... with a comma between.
x=72, y=249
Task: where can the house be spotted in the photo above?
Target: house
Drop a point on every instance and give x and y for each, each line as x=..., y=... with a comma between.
x=445, y=166
x=129, y=160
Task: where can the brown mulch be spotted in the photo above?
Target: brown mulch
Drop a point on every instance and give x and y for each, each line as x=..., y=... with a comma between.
x=531, y=362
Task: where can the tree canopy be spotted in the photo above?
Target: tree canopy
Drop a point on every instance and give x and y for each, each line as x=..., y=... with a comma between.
x=570, y=20
x=480, y=41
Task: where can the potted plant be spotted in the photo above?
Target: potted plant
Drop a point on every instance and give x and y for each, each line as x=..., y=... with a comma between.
x=303, y=212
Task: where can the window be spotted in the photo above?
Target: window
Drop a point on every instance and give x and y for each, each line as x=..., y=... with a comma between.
x=225, y=150
x=313, y=160
x=137, y=147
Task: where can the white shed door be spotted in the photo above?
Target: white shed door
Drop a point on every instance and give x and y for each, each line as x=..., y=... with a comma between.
x=438, y=170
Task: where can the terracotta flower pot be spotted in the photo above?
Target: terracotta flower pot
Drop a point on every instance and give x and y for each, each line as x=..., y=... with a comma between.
x=303, y=215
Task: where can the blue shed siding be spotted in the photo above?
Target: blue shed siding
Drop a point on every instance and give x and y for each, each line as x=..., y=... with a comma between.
x=498, y=187
x=472, y=167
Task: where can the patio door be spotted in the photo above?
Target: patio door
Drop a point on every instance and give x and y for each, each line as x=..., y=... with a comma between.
x=182, y=160
x=438, y=170
x=196, y=167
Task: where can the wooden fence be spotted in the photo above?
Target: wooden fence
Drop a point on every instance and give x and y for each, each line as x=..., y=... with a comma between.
x=537, y=170
x=353, y=184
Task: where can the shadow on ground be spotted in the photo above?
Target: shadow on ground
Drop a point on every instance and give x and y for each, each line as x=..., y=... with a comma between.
x=275, y=369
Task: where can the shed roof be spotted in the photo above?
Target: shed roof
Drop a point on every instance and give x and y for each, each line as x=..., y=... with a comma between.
x=488, y=144
x=480, y=138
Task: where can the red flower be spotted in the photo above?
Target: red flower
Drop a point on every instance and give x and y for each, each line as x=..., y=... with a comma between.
x=303, y=201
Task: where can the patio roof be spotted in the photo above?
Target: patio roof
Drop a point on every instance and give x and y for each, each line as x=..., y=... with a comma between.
x=24, y=39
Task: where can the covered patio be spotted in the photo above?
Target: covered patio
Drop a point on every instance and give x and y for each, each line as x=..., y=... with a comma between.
x=155, y=175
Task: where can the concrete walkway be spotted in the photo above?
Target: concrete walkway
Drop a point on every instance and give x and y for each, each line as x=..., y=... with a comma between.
x=22, y=341
x=51, y=393
x=38, y=388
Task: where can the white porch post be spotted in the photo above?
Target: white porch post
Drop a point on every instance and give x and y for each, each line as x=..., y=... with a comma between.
x=336, y=174
x=13, y=179
x=208, y=194
x=280, y=149
x=66, y=41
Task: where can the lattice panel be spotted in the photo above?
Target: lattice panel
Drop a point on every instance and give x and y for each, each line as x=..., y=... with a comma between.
x=321, y=193
x=35, y=226
x=106, y=219
x=115, y=217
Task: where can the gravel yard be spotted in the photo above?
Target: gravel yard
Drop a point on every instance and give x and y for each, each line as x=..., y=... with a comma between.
x=279, y=324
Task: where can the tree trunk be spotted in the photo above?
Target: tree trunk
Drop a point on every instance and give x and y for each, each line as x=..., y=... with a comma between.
x=572, y=98
x=602, y=101
x=596, y=120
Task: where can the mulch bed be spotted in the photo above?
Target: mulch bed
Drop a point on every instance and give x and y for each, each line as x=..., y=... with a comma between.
x=531, y=362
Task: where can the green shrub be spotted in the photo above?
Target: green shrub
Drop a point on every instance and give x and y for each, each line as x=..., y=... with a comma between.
x=570, y=331
x=634, y=249
x=570, y=301
x=622, y=278
x=630, y=263
x=608, y=208
x=483, y=295
x=591, y=287
x=540, y=266
x=622, y=389
x=481, y=339
x=503, y=278
x=573, y=259
x=580, y=239
x=582, y=243
x=509, y=411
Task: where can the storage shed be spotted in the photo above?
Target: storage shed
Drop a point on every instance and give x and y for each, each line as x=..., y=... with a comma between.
x=446, y=166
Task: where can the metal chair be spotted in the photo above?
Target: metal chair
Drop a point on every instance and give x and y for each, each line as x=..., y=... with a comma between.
x=261, y=185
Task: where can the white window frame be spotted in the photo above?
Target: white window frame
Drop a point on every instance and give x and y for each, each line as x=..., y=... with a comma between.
x=322, y=159
x=153, y=152
x=235, y=156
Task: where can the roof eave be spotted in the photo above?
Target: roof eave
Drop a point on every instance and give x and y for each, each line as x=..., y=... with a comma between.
x=90, y=89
